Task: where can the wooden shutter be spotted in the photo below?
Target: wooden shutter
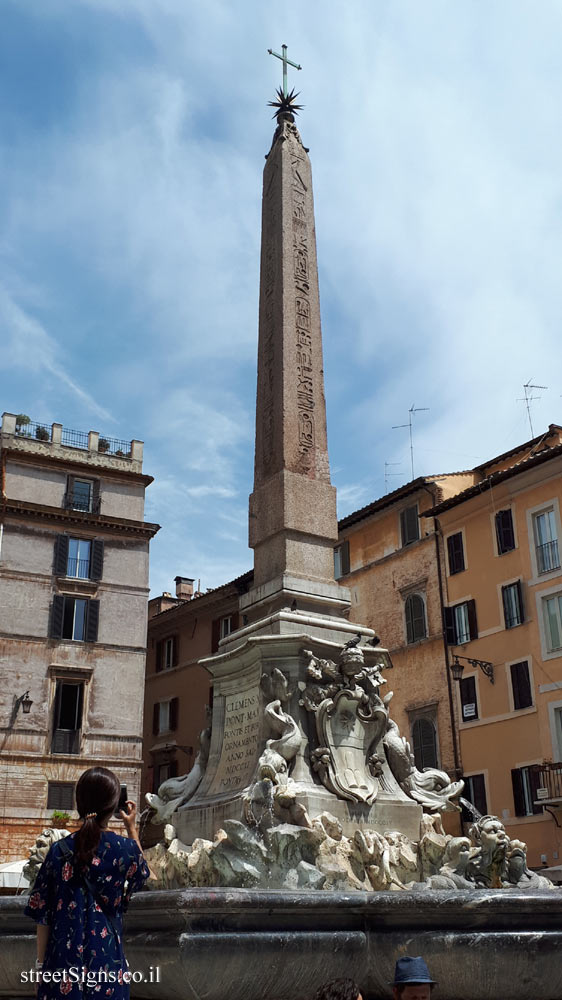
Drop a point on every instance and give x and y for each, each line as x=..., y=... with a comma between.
x=96, y=496
x=456, y=553
x=479, y=794
x=175, y=650
x=467, y=687
x=92, y=621
x=159, y=646
x=155, y=719
x=96, y=560
x=520, y=600
x=69, y=499
x=504, y=531
x=449, y=626
x=57, y=614
x=409, y=525
x=472, y=621
x=521, y=685
x=174, y=706
x=518, y=796
x=173, y=769
x=535, y=781
x=60, y=561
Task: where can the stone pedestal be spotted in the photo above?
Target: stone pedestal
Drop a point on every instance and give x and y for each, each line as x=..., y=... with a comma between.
x=242, y=675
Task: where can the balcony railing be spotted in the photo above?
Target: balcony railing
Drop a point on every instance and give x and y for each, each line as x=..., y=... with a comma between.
x=79, y=568
x=66, y=741
x=114, y=446
x=74, y=439
x=40, y=432
x=548, y=557
x=550, y=778
x=89, y=505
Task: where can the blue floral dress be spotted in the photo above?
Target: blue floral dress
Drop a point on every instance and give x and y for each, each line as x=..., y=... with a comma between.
x=82, y=938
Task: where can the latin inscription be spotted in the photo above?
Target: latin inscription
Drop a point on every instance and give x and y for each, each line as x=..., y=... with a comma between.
x=304, y=372
x=242, y=724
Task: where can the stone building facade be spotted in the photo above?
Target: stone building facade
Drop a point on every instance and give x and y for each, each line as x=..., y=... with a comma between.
x=73, y=596
x=182, y=630
x=501, y=550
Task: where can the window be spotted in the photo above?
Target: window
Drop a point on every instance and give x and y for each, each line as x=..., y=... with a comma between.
x=341, y=560
x=460, y=623
x=525, y=781
x=455, y=552
x=165, y=716
x=415, y=618
x=424, y=740
x=512, y=597
x=467, y=690
x=164, y=771
x=546, y=541
x=226, y=626
x=60, y=795
x=409, y=525
x=67, y=721
x=505, y=535
x=167, y=653
x=521, y=685
x=474, y=792
x=552, y=611
x=78, y=557
x=74, y=618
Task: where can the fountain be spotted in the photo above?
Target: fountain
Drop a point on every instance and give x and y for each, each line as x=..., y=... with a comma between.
x=305, y=844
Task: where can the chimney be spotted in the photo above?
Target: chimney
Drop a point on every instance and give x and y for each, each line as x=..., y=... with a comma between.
x=184, y=587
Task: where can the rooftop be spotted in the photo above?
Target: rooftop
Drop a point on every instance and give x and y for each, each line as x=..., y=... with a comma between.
x=21, y=433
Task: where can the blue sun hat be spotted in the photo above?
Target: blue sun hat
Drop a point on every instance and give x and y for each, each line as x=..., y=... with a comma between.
x=411, y=970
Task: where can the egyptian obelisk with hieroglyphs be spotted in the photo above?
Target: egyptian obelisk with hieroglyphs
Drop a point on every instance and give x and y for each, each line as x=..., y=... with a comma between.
x=293, y=521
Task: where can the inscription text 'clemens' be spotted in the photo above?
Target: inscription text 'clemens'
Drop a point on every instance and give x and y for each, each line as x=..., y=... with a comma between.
x=242, y=724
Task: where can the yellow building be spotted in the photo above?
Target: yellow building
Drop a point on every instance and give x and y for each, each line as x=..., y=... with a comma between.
x=502, y=583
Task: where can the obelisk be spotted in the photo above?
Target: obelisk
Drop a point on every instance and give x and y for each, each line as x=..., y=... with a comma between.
x=293, y=521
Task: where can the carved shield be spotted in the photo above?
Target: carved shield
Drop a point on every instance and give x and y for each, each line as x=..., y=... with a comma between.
x=349, y=739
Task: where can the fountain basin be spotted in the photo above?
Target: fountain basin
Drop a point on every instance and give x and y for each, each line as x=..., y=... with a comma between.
x=261, y=945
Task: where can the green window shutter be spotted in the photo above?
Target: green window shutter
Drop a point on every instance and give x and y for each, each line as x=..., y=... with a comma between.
x=57, y=613
x=518, y=796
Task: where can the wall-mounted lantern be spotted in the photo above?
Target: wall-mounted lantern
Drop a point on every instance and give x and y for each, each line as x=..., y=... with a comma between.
x=25, y=702
x=457, y=668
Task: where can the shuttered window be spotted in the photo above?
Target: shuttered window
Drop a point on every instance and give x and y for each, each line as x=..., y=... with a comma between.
x=455, y=552
x=74, y=618
x=81, y=558
x=467, y=688
x=424, y=740
x=512, y=597
x=475, y=793
x=505, y=534
x=409, y=525
x=460, y=623
x=521, y=685
x=67, y=720
x=60, y=795
x=341, y=560
x=525, y=782
x=415, y=618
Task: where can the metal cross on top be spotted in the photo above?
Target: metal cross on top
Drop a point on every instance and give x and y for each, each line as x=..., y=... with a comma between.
x=286, y=62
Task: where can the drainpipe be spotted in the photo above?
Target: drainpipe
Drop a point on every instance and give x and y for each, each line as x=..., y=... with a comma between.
x=437, y=532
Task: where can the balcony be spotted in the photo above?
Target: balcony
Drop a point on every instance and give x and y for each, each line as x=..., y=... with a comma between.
x=548, y=557
x=548, y=789
x=66, y=741
x=43, y=438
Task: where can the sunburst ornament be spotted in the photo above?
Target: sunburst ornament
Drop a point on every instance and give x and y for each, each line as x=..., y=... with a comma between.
x=285, y=103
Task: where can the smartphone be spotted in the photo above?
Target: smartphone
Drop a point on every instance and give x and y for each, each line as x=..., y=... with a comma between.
x=122, y=804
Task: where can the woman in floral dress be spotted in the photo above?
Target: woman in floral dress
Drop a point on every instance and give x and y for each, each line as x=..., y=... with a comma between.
x=80, y=895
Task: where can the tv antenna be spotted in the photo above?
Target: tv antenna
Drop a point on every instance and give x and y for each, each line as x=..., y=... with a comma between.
x=388, y=475
x=528, y=398
x=413, y=409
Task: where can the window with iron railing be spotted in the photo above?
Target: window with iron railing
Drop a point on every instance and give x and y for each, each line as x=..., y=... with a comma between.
x=83, y=495
x=546, y=541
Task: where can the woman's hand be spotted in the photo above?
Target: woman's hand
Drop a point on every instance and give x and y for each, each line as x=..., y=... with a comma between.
x=129, y=818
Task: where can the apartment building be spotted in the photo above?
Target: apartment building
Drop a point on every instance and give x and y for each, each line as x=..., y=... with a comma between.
x=73, y=609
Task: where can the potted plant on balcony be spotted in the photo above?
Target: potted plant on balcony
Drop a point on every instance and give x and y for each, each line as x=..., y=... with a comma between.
x=60, y=819
x=103, y=445
x=22, y=421
x=42, y=434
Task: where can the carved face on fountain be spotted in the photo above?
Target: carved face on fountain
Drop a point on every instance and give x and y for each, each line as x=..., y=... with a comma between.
x=274, y=767
x=489, y=833
x=516, y=861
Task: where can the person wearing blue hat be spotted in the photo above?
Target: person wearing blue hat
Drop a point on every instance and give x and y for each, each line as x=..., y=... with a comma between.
x=412, y=980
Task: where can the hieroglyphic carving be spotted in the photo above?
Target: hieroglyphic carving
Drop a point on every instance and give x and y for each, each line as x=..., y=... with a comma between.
x=305, y=386
x=267, y=361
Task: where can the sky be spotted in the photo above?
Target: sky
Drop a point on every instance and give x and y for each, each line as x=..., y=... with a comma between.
x=133, y=141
